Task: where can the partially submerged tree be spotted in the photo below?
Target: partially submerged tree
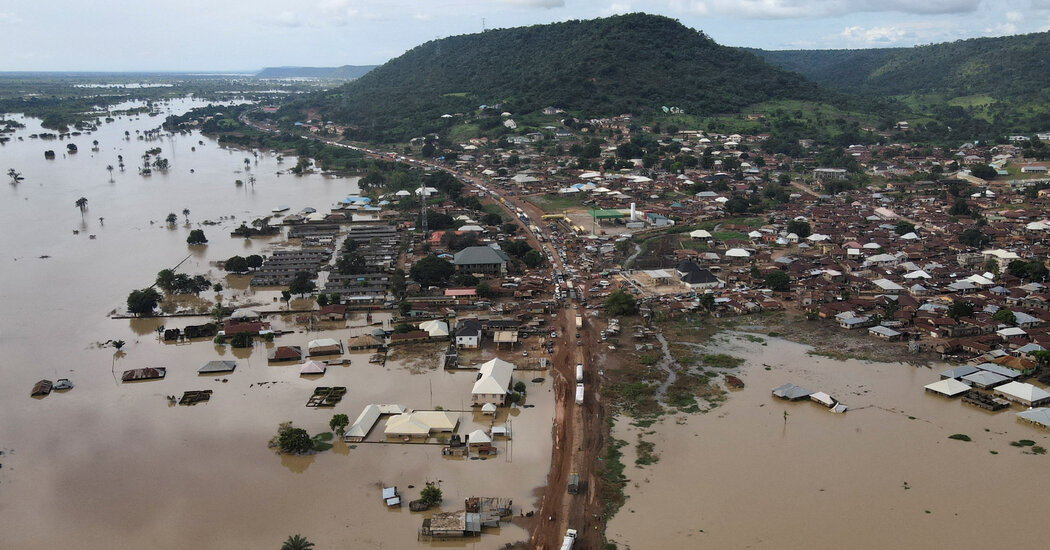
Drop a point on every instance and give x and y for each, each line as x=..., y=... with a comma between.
x=142, y=302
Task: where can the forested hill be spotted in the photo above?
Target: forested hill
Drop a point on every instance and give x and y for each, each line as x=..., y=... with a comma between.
x=346, y=72
x=623, y=64
x=1003, y=67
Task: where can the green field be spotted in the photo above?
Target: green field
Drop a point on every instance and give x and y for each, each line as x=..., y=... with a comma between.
x=556, y=204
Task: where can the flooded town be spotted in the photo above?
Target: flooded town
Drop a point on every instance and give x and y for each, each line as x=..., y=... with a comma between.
x=236, y=319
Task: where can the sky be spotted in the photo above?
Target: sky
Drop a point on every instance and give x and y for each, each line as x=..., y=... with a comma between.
x=246, y=35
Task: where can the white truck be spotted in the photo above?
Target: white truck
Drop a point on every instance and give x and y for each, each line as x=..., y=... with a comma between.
x=579, y=394
x=570, y=538
x=579, y=372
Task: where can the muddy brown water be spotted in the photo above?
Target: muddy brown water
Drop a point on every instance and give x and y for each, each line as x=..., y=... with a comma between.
x=111, y=465
x=882, y=475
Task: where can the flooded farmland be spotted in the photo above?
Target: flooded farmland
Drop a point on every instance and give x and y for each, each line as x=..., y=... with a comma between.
x=758, y=472
x=113, y=465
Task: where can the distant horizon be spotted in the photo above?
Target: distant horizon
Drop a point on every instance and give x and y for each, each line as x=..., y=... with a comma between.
x=333, y=33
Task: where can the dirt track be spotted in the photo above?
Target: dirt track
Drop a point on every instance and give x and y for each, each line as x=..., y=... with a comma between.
x=578, y=435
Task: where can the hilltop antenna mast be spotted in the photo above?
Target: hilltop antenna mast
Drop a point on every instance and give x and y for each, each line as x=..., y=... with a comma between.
x=483, y=29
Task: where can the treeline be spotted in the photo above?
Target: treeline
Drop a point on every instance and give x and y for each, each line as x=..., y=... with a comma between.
x=633, y=63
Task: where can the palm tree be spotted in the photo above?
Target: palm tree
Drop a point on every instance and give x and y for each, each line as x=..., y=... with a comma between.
x=186, y=212
x=82, y=205
x=297, y=542
x=110, y=168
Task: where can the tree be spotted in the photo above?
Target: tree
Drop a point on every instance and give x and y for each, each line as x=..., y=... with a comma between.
x=960, y=208
x=621, y=303
x=904, y=227
x=959, y=309
x=1005, y=317
x=81, y=203
x=519, y=386
x=397, y=282
x=235, y=264
x=973, y=237
x=492, y=219
x=983, y=171
x=117, y=344
x=286, y=297
x=322, y=299
x=166, y=280
x=404, y=308
x=241, y=340
x=431, y=270
x=777, y=281
x=172, y=218
x=483, y=289
x=534, y=258
x=351, y=263
x=142, y=302
x=255, y=261
x=799, y=227
x=297, y=542
x=430, y=495
x=338, y=423
x=293, y=440
x=736, y=205
x=196, y=237
x=302, y=284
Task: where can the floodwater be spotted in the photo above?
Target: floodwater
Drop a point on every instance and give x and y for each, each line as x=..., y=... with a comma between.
x=882, y=475
x=111, y=465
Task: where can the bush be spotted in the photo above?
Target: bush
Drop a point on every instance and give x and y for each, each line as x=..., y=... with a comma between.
x=621, y=303
x=430, y=495
x=241, y=340
x=960, y=437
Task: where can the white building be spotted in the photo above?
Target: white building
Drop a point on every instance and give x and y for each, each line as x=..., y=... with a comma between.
x=493, y=384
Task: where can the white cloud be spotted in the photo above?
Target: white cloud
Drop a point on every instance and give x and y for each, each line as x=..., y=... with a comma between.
x=617, y=8
x=9, y=18
x=903, y=34
x=783, y=9
x=285, y=19
x=548, y=4
x=1014, y=16
x=421, y=16
x=1041, y=4
x=1001, y=29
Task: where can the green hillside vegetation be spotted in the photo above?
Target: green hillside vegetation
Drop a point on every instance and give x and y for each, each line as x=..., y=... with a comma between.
x=1008, y=66
x=624, y=64
x=980, y=88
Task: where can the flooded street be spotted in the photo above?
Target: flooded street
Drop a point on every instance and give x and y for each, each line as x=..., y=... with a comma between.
x=112, y=465
x=882, y=475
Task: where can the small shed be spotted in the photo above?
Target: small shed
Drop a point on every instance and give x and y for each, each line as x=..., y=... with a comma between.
x=488, y=408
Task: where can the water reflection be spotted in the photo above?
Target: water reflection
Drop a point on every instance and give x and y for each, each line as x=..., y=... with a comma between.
x=297, y=463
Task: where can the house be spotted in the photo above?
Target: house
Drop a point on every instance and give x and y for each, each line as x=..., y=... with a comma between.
x=436, y=328
x=364, y=341
x=468, y=334
x=481, y=259
x=421, y=424
x=333, y=312
x=885, y=333
x=324, y=346
x=1025, y=394
x=286, y=353
x=493, y=383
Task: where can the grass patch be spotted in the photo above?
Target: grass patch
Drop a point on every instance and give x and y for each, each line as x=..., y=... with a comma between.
x=611, y=478
x=728, y=236
x=960, y=437
x=646, y=453
x=649, y=358
x=493, y=209
x=1022, y=443
x=721, y=361
x=555, y=204
x=1037, y=450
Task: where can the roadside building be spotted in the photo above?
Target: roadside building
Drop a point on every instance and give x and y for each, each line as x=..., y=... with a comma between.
x=493, y=383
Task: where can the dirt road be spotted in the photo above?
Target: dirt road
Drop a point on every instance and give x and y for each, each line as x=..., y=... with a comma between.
x=578, y=434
